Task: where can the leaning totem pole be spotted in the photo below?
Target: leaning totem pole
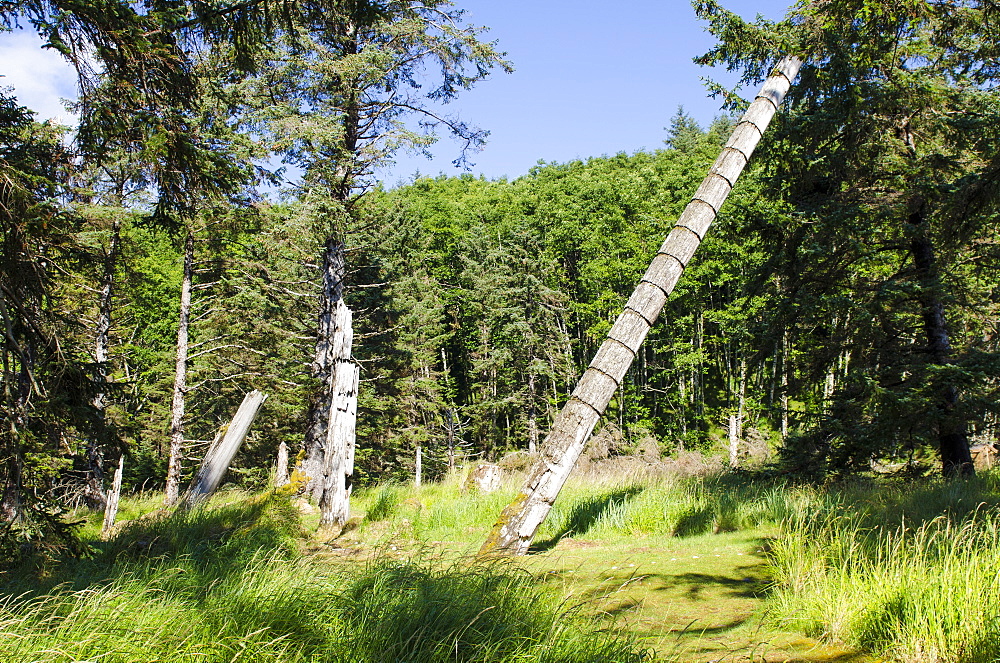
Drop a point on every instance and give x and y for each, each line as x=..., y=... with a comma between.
x=517, y=525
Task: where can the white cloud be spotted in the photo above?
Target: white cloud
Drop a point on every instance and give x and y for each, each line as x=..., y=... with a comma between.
x=41, y=77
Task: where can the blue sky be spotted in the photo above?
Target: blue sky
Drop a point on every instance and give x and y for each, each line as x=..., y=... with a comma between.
x=591, y=78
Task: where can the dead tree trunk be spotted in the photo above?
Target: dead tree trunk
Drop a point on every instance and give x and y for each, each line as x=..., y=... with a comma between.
x=329, y=337
x=220, y=454
x=338, y=458
x=111, y=507
x=518, y=523
x=281, y=467
x=734, y=442
x=95, y=480
x=180, y=378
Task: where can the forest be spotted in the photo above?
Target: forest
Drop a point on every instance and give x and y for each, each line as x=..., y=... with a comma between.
x=828, y=359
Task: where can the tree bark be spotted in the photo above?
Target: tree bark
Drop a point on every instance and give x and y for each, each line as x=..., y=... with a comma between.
x=532, y=417
x=180, y=378
x=220, y=454
x=734, y=442
x=338, y=459
x=329, y=341
x=418, y=467
x=281, y=467
x=517, y=525
x=95, y=460
x=953, y=441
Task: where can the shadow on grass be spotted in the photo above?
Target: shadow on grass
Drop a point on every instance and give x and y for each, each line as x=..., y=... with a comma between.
x=211, y=543
x=586, y=513
x=750, y=586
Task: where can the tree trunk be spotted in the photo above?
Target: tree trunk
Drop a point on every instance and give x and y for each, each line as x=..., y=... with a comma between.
x=180, y=378
x=220, y=454
x=518, y=523
x=532, y=417
x=418, y=467
x=111, y=507
x=953, y=441
x=338, y=459
x=785, y=370
x=450, y=424
x=330, y=343
x=95, y=460
x=734, y=442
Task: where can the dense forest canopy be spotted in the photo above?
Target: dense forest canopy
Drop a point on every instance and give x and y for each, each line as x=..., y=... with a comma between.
x=841, y=313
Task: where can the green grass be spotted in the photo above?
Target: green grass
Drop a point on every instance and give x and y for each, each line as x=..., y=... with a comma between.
x=695, y=569
x=230, y=583
x=908, y=572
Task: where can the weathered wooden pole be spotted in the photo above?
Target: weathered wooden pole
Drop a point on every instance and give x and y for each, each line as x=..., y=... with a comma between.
x=222, y=450
x=180, y=378
x=281, y=467
x=516, y=527
x=338, y=456
x=111, y=507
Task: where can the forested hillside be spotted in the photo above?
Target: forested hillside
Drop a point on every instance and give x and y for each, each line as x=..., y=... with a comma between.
x=841, y=314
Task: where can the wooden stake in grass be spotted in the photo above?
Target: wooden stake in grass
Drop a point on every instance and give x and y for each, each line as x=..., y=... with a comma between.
x=111, y=508
x=220, y=454
x=516, y=527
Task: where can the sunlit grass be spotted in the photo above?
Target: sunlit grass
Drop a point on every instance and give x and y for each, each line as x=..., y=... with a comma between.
x=231, y=583
x=912, y=573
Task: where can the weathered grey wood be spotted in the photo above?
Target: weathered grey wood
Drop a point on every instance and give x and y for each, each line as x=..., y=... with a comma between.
x=111, y=508
x=774, y=90
x=180, y=379
x=102, y=341
x=330, y=350
x=220, y=454
x=517, y=524
x=630, y=329
x=614, y=359
x=662, y=273
x=759, y=114
x=734, y=442
x=744, y=138
x=281, y=468
x=418, y=467
x=595, y=388
x=714, y=191
x=681, y=244
x=697, y=217
x=338, y=457
x=647, y=299
x=729, y=164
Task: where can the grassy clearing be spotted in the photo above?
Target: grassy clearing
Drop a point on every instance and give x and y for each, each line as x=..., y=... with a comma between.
x=230, y=584
x=907, y=572
x=691, y=569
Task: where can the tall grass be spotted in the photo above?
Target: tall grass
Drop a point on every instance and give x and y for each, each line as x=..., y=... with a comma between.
x=230, y=584
x=615, y=507
x=911, y=573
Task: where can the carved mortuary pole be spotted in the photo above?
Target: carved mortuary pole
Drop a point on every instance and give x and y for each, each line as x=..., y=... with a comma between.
x=517, y=525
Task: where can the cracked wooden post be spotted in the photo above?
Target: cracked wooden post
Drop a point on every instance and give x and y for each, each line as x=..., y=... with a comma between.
x=517, y=525
x=220, y=454
x=111, y=508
